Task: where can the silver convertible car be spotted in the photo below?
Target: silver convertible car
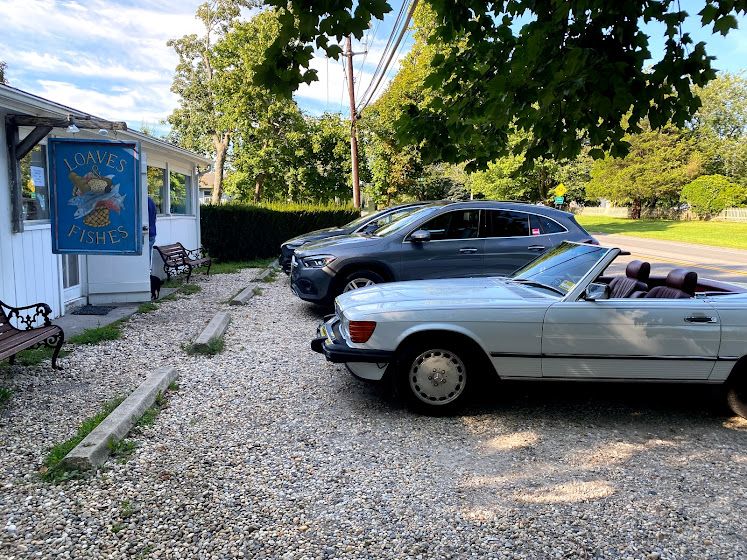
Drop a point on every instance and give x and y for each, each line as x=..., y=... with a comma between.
x=559, y=318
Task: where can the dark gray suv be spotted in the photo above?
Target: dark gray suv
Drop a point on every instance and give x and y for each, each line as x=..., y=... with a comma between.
x=441, y=240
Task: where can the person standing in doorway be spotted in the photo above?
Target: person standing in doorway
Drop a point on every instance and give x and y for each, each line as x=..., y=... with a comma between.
x=151, y=228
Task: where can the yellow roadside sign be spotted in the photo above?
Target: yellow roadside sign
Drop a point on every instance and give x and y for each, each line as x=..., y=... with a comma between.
x=560, y=190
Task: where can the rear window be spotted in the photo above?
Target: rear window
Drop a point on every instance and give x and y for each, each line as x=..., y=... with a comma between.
x=542, y=225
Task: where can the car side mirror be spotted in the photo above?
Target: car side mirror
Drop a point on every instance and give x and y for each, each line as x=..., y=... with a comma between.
x=370, y=228
x=595, y=291
x=420, y=236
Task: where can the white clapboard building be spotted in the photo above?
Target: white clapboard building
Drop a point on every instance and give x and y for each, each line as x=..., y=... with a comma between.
x=29, y=271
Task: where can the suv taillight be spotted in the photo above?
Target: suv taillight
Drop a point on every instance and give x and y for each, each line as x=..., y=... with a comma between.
x=361, y=331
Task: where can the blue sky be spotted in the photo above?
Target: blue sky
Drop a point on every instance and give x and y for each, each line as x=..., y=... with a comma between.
x=109, y=58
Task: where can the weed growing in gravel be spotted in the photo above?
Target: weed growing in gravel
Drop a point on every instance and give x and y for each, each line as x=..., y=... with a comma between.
x=100, y=334
x=5, y=394
x=52, y=471
x=121, y=450
x=147, y=307
x=190, y=288
x=271, y=277
x=174, y=386
x=126, y=509
x=214, y=346
x=257, y=291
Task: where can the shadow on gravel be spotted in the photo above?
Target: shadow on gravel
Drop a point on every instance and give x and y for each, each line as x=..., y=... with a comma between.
x=605, y=403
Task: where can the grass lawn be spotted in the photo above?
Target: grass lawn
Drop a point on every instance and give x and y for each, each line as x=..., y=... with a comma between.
x=718, y=234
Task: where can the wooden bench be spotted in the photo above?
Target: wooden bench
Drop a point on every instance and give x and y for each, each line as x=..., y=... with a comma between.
x=14, y=340
x=177, y=259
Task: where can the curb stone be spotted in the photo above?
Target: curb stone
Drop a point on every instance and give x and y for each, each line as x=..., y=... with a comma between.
x=245, y=295
x=215, y=328
x=94, y=449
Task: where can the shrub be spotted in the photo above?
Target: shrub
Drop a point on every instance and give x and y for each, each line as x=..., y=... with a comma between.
x=238, y=232
x=710, y=194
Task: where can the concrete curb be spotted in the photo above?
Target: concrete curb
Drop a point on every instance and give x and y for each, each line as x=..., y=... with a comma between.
x=245, y=295
x=265, y=273
x=215, y=328
x=94, y=449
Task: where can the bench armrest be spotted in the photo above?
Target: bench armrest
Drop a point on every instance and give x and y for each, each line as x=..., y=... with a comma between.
x=27, y=319
x=197, y=253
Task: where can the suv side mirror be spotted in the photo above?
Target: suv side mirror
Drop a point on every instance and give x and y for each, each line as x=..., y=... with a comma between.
x=420, y=236
x=595, y=291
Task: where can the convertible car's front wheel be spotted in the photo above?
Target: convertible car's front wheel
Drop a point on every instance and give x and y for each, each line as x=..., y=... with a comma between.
x=433, y=377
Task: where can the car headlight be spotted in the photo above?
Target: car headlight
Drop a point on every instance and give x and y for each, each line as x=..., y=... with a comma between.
x=318, y=261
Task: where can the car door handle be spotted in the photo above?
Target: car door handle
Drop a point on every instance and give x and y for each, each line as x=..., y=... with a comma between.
x=701, y=319
x=536, y=247
x=468, y=250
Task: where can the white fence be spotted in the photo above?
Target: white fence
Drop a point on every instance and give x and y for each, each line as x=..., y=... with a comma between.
x=730, y=214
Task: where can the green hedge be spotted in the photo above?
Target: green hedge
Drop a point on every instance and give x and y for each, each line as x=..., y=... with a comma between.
x=237, y=232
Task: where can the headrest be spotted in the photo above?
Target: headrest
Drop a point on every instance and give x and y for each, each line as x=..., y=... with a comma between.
x=638, y=270
x=681, y=279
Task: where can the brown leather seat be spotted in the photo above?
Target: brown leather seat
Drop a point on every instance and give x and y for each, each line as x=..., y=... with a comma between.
x=634, y=281
x=680, y=284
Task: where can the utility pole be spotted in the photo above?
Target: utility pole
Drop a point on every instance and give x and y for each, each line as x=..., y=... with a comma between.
x=353, y=139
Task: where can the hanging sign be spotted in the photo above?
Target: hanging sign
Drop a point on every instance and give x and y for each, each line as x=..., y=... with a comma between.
x=95, y=196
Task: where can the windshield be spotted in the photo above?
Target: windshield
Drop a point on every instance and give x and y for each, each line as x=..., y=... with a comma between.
x=561, y=267
x=405, y=221
x=359, y=221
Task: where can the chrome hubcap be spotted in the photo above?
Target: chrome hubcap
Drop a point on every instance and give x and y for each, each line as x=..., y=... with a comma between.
x=437, y=376
x=358, y=283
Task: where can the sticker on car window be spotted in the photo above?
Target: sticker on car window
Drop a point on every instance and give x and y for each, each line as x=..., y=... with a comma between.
x=567, y=285
x=535, y=232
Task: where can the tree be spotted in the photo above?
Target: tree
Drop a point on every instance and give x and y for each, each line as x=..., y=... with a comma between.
x=398, y=168
x=657, y=166
x=720, y=126
x=203, y=121
x=543, y=66
x=710, y=194
x=3, y=69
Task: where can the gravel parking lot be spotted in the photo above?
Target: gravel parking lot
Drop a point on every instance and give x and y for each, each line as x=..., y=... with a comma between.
x=266, y=451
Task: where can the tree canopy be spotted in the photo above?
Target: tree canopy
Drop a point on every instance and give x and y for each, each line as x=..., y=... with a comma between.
x=568, y=72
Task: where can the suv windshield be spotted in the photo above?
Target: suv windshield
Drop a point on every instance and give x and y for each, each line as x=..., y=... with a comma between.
x=405, y=221
x=560, y=268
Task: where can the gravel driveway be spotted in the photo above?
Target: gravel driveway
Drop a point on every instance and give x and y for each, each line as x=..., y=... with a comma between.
x=269, y=452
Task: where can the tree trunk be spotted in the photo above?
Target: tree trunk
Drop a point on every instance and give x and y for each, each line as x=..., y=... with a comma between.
x=635, y=211
x=258, y=186
x=221, y=148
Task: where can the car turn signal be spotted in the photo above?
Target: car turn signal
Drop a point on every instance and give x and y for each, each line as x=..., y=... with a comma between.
x=361, y=331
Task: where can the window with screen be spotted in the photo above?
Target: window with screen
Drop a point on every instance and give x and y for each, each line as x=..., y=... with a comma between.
x=180, y=193
x=156, y=182
x=34, y=185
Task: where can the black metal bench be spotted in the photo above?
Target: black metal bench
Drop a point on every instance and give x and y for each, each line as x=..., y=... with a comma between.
x=177, y=259
x=14, y=339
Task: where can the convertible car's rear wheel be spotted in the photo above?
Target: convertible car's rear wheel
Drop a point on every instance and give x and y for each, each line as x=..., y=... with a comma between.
x=432, y=377
x=736, y=394
x=361, y=279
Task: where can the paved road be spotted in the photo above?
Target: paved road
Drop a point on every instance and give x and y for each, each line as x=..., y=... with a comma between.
x=726, y=265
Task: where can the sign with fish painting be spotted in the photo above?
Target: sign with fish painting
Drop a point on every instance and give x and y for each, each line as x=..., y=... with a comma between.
x=95, y=196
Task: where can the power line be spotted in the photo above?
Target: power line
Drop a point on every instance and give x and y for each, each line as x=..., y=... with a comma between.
x=395, y=27
x=368, y=99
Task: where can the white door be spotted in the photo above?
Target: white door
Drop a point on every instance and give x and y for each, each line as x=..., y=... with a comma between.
x=71, y=281
x=631, y=339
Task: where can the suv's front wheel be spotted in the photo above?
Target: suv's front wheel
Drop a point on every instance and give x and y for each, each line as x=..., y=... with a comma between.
x=361, y=279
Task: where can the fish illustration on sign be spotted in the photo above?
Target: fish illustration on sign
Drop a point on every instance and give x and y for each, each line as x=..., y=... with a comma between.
x=95, y=196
